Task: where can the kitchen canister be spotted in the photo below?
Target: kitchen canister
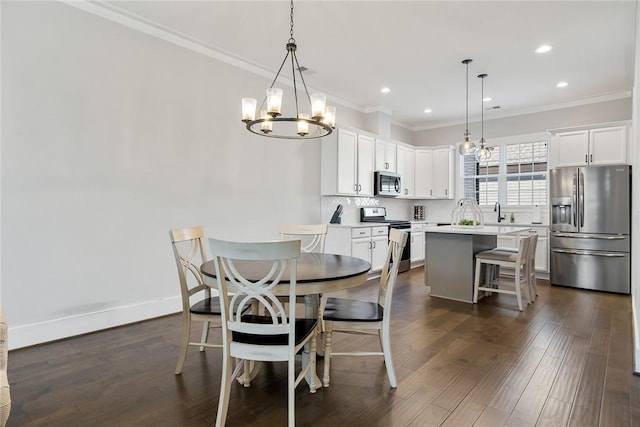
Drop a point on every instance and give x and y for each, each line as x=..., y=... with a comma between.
x=418, y=212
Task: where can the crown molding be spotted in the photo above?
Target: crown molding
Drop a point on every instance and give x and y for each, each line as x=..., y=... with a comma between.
x=577, y=103
x=152, y=28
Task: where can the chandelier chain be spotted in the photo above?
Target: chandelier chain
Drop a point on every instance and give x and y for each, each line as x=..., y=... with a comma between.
x=291, y=24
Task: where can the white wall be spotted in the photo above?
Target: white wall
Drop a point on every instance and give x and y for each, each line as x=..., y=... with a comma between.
x=110, y=138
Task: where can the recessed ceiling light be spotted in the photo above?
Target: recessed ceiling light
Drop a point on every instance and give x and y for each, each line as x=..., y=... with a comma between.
x=562, y=84
x=385, y=90
x=428, y=110
x=543, y=49
x=486, y=99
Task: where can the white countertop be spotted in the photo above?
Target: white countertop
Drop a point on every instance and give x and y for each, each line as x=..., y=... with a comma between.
x=486, y=230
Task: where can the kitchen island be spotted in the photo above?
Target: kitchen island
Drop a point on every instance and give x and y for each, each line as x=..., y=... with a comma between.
x=449, y=257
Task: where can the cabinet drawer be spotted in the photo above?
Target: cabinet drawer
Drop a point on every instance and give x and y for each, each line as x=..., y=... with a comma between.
x=379, y=231
x=360, y=232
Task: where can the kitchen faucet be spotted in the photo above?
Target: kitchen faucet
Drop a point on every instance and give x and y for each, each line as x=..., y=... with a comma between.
x=496, y=208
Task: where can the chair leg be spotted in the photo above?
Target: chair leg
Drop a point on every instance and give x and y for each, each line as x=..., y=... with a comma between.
x=476, y=281
x=291, y=391
x=205, y=335
x=312, y=363
x=328, y=333
x=225, y=390
x=186, y=332
x=386, y=350
x=518, y=292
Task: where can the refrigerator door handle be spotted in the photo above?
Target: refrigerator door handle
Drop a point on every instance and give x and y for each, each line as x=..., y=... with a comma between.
x=581, y=197
x=574, y=200
x=601, y=254
x=587, y=236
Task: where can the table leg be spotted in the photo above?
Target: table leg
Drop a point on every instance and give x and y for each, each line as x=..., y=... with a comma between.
x=311, y=308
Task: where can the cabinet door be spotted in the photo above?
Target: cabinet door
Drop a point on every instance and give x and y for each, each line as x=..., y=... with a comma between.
x=366, y=154
x=608, y=146
x=347, y=154
x=386, y=156
x=424, y=174
x=443, y=173
x=570, y=148
x=506, y=241
x=542, y=254
x=378, y=252
x=417, y=246
x=361, y=248
x=406, y=170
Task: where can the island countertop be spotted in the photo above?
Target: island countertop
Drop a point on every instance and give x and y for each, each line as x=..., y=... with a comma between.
x=489, y=230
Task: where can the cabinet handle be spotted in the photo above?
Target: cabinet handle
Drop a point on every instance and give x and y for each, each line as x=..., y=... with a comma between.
x=370, y=245
x=374, y=244
x=406, y=191
x=585, y=158
x=355, y=187
x=591, y=158
x=446, y=192
x=359, y=187
x=431, y=192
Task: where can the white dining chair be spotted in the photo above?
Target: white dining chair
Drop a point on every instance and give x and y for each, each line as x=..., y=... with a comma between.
x=500, y=284
x=531, y=264
x=363, y=317
x=312, y=240
x=276, y=336
x=312, y=236
x=189, y=252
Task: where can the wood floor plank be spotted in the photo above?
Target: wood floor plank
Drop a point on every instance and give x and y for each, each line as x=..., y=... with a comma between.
x=457, y=365
x=588, y=400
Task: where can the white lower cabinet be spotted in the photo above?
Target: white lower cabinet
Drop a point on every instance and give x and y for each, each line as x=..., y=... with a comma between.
x=367, y=243
x=417, y=243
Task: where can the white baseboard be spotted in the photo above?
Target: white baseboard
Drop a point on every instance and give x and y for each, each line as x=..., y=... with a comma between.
x=38, y=333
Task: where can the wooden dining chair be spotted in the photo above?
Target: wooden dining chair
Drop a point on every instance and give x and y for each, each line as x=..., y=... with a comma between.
x=197, y=302
x=501, y=258
x=312, y=238
x=276, y=336
x=362, y=317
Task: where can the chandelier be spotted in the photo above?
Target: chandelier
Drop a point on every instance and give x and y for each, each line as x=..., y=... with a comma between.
x=319, y=121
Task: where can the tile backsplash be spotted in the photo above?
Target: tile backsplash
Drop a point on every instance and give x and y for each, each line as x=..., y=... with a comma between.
x=434, y=210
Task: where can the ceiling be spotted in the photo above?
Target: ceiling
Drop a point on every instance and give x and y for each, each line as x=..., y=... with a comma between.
x=354, y=48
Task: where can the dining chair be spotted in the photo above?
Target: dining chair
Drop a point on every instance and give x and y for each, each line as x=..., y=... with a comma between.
x=531, y=264
x=312, y=238
x=502, y=258
x=276, y=336
x=189, y=252
x=363, y=317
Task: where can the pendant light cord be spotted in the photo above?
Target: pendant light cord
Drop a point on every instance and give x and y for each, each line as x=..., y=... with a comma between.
x=466, y=120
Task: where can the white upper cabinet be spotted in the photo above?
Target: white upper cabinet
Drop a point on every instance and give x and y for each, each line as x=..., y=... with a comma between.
x=406, y=169
x=434, y=173
x=443, y=170
x=386, y=156
x=424, y=184
x=347, y=161
x=596, y=146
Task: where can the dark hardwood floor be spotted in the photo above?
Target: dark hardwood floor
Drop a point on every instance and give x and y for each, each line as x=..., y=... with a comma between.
x=565, y=361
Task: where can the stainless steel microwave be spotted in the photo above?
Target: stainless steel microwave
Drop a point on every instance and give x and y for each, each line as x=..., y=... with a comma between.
x=386, y=184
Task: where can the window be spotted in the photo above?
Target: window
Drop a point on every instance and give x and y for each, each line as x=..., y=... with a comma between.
x=515, y=175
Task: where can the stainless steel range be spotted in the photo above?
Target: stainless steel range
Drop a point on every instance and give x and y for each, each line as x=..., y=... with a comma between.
x=379, y=215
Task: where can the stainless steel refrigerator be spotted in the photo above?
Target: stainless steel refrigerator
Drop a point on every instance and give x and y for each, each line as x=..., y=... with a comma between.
x=591, y=228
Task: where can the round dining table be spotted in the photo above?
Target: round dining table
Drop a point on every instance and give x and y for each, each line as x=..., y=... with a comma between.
x=316, y=274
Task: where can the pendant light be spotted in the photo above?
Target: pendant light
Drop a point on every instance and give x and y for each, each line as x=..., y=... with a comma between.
x=467, y=146
x=482, y=153
x=319, y=121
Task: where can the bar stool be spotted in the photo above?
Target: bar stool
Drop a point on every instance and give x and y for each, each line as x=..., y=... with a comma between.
x=501, y=258
x=531, y=264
